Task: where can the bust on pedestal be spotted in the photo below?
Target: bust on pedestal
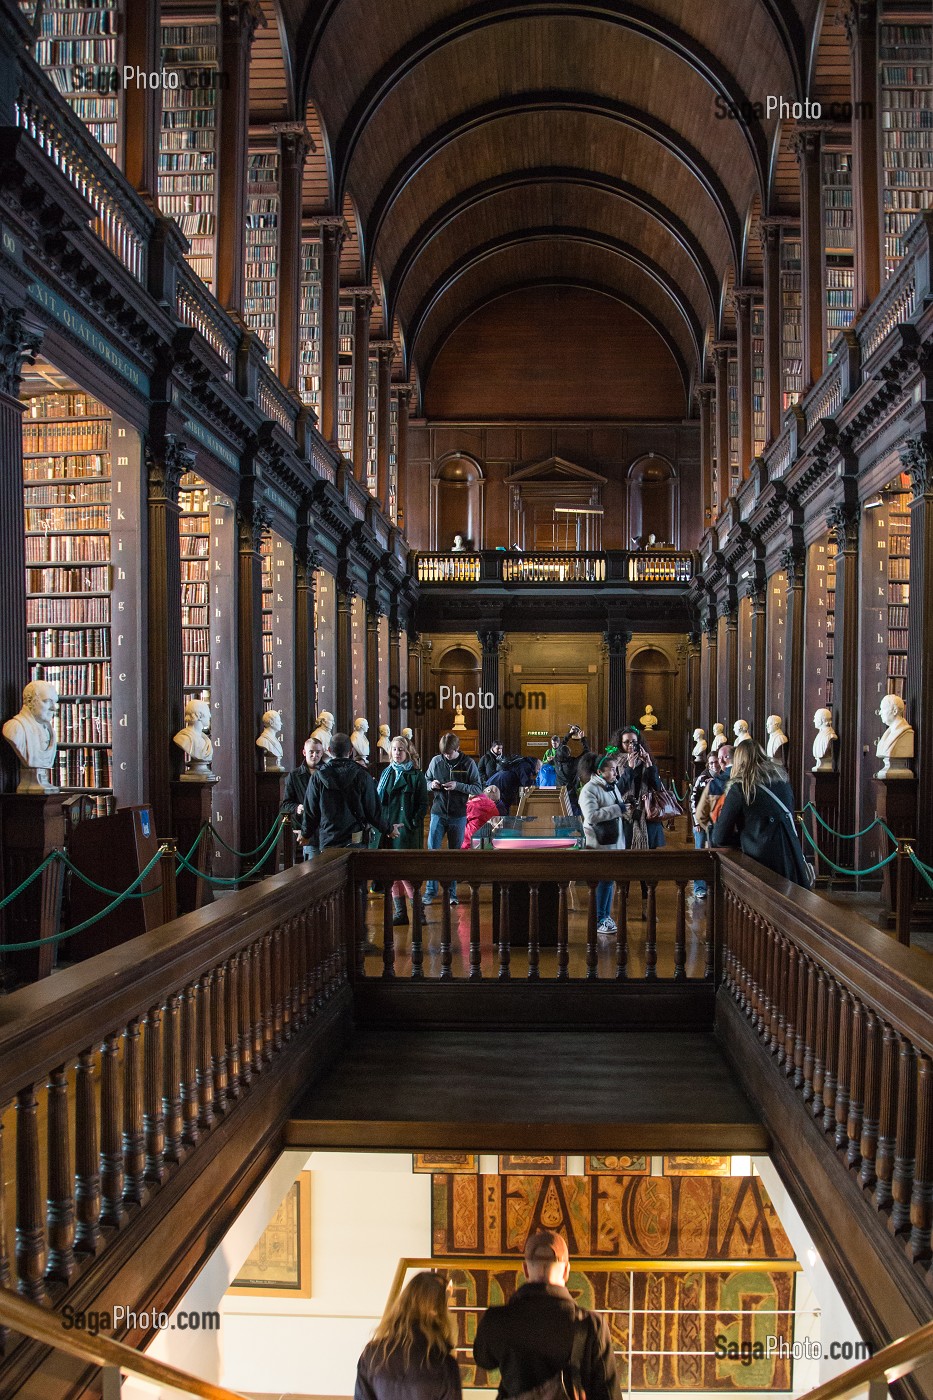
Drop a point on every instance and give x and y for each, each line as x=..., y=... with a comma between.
x=270, y=741
x=649, y=719
x=719, y=737
x=896, y=745
x=741, y=731
x=699, y=745
x=384, y=743
x=324, y=729
x=359, y=740
x=32, y=738
x=777, y=739
x=826, y=736
x=194, y=742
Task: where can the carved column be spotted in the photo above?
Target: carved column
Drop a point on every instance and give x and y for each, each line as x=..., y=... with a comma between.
x=167, y=460
x=711, y=630
x=771, y=247
x=294, y=144
x=343, y=660
x=843, y=522
x=742, y=301
x=362, y=311
x=861, y=21
x=333, y=234
x=239, y=21
x=372, y=672
x=759, y=651
x=18, y=342
x=395, y=666
x=721, y=480
x=615, y=645
x=793, y=562
x=306, y=562
x=730, y=613
x=404, y=392
x=492, y=643
x=253, y=522
x=917, y=457
x=385, y=352
x=142, y=103
x=807, y=145
x=704, y=396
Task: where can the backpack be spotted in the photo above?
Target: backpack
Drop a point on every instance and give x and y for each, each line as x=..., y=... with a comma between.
x=716, y=809
x=568, y=1383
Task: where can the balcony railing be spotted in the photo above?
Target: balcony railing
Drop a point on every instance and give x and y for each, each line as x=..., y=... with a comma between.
x=511, y=567
x=196, y=308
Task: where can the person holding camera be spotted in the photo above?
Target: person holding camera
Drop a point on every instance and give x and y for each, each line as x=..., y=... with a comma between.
x=567, y=755
x=636, y=775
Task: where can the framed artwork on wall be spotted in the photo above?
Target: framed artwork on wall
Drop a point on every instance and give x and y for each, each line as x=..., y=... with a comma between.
x=279, y=1265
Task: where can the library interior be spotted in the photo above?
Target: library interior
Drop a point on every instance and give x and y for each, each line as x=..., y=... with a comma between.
x=437, y=440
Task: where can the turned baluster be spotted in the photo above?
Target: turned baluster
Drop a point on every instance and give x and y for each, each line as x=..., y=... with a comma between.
x=417, y=936
x=476, y=957
x=505, y=933
x=680, y=933
x=804, y=982
x=256, y=1006
x=361, y=940
x=729, y=959
x=278, y=998
x=388, y=933
x=534, y=933
x=790, y=1029
x=219, y=1039
x=87, y=1159
x=171, y=1077
x=4, y=1241
x=232, y=1009
x=336, y=972
x=622, y=934
x=741, y=952
x=153, y=1114
x=134, y=1147
x=887, y=1117
x=113, y=1212
x=205, y=1070
x=190, y=1135
x=31, y=1252
x=902, y=1180
x=288, y=980
x=830, y=1054
x=856, y=1085
x=61, y=1206
x=819, y=1049
x=301, y=1010
x=651, y=933
x=837, y=1113
x=868, y=1145
x=268, y=1000
x=779, y=1024
x=592, y=955
x=921, y=1197
x=244, y=1018
x=756, y=963
x=446, y=932
x=563, y=950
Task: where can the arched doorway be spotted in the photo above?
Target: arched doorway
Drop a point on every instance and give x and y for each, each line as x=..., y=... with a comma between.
x=652, y=501
x=457, y=672
x=458, y=502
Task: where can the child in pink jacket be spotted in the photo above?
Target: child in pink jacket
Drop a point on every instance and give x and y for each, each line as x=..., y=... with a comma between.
x=480, y=810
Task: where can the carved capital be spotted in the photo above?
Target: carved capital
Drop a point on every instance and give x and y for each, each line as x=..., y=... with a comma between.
x=165, y=468
x=241, y=19
x=384, y=351
x=806, y=145
x=491, y=642
x=858, y=16
x=615, y=644
x=917, y=457
x=19, y=343
x=334, y=233
x=254, y=522
x=704, y=394
x=296, y=141
x=842, y=521
x=794, y=563
x=364, y=299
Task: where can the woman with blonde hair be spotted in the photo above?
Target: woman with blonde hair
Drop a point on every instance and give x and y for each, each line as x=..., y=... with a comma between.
x=758, y=814
x=411, y=1354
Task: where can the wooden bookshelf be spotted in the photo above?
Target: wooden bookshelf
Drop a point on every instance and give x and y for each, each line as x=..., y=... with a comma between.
x=905, y=51
x=79, y=47
x=372, y=425
x=325, y=631
x=838, y=242
x=188, y=141
x=345, y=381
x=897, y=497
x=732, y=388
x=263, y=218
x=265, y=551
x=791, y=324
x=759, y=432
x=392, y=502
x=195, y=531
x=819, y=625
x=309, y=324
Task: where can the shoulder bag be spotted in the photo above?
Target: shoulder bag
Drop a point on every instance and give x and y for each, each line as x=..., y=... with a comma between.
x=661, y=805
x=568, y=1383
x=808, y=877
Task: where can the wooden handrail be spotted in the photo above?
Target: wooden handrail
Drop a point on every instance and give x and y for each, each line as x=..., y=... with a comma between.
x=48, y=1328
x=890, y=1364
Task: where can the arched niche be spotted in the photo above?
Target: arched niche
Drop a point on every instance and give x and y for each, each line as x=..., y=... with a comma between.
x=651, y=681
x=457, y=501
x=460, y=670
x=653, y=501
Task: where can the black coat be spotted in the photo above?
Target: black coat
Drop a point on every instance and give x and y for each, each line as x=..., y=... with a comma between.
x=422, y=1379
x=296, y=785
x=490, y=763
x=529, y=1340
x=341, y=799
x=762, y=830
x=566, y=761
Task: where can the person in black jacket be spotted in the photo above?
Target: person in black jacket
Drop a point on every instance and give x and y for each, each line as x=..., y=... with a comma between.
x=411, y=1354
x=491, y=761
x=757, y=814
x=530, y=1339
x=452, y=779
x=296, y=786
x=567, y=754
x=341, y=801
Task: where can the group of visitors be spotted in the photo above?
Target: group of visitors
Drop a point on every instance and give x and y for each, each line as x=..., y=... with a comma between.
x=540, y=1342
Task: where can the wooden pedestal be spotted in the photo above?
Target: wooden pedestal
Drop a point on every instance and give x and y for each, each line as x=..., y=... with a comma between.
x=270, y=794
x=896, y=805
x=31, y=828
x=824, y=794
x=192, y=806
x=113, y=851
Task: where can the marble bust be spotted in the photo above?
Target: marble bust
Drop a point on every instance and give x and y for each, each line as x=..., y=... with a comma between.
x=325, y=729
x=359, y=740
x=719, y=737
x=826, y=736
x=649, y=719
x=741, y=731
x=32, y=738
x=776, y=738
x=458, y=547
x=194, y=742
x=270, y=741
x=896, y=745
x=699, y=745
x=384, y=742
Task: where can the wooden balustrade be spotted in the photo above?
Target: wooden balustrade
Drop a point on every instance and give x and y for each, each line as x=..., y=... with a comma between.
x=845, y=1013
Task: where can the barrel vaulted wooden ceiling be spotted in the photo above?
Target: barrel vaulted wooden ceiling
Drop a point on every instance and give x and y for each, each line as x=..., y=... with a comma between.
x=485, y=146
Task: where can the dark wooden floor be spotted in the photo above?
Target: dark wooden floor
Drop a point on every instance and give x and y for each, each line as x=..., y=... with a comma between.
x=542, y=1090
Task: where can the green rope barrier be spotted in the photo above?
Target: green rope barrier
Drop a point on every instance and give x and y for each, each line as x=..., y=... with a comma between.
x=228, y=882
x=79, y=928
x=266, y=841
x=843, y=870
x=842, y=836
x=55, y=855
x=924, y=870
x=101, y=889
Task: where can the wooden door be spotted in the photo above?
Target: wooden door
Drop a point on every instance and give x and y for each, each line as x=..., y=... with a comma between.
x=565, y=703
